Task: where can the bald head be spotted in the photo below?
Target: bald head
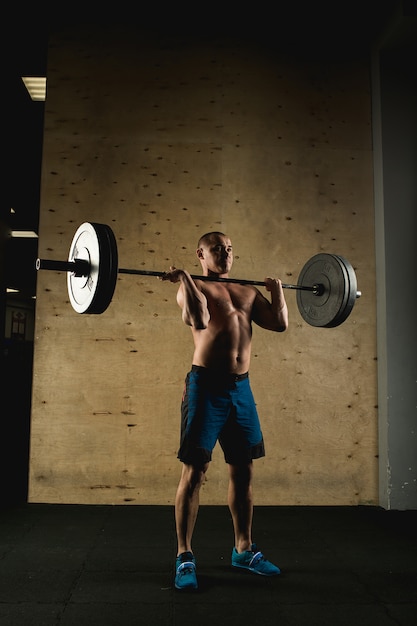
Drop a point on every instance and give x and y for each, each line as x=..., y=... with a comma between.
x=208, y=237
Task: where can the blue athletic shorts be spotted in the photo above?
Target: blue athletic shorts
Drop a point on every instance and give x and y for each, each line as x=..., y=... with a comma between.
x=220, y=408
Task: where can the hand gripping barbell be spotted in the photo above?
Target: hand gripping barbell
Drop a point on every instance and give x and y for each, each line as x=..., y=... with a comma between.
x=326, y=288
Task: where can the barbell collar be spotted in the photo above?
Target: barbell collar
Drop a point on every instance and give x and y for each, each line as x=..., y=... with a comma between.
x=78, y=267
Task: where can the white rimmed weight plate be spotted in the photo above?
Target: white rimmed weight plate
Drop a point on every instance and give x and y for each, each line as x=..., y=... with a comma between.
x=96, y=244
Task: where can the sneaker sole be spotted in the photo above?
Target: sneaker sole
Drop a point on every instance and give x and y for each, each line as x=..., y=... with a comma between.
x=254, y=571
x=192, y=586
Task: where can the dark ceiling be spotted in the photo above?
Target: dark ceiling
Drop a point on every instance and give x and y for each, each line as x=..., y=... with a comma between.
x=313, y=27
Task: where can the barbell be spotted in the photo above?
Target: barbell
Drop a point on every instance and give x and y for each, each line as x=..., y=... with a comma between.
x=326, y=287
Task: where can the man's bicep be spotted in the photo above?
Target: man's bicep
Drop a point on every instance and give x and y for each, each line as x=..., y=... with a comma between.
x=180, y=296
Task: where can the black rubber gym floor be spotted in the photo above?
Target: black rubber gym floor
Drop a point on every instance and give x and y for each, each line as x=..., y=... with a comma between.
x=75, y=565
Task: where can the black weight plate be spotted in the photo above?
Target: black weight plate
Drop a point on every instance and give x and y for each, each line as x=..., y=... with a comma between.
x=108, y=269
x=328, y=308
x=351, y=288
x=95, y=243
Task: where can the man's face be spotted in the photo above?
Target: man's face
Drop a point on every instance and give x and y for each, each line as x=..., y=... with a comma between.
x=216, y=255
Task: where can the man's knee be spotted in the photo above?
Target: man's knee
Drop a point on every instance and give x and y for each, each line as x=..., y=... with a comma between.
x=241, y=473
x=194, y=475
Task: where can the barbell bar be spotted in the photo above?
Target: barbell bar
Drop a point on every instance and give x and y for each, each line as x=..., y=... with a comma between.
x=80, y=267
x=326, y=288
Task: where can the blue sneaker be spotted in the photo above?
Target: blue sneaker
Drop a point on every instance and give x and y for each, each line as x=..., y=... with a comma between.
x=254, y=561
x=185, y=572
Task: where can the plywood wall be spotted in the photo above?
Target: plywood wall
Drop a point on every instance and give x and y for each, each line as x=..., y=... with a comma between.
x=164, y=138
